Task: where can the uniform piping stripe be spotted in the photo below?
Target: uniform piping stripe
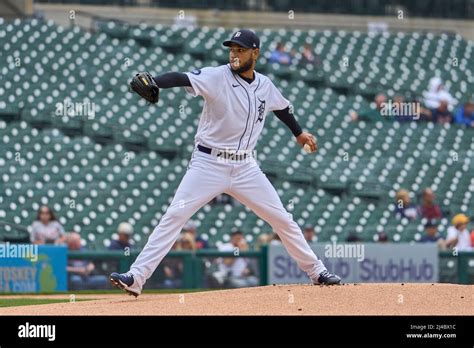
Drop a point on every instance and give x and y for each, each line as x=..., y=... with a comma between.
x=248, y=115
x=253, y=121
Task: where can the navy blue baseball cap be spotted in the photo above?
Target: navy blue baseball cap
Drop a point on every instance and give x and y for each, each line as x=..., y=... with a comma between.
x=245, y=38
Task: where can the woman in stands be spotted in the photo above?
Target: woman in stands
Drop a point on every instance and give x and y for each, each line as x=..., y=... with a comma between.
x=46, y=229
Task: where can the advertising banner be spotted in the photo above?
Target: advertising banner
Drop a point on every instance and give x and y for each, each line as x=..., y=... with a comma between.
x=32, y=268
x=361, y=263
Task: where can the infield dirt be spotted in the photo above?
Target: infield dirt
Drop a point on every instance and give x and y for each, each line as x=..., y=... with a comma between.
x=295, y=299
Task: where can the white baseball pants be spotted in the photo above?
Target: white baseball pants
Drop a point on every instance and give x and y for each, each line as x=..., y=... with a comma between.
x=206, y=177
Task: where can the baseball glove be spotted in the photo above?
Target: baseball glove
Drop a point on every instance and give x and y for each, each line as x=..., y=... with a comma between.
x=144, y=85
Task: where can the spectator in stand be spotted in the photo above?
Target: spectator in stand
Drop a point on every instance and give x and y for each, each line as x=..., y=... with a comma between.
x=398, y=112
x=46, y=229
x=191, y=227
x=173, y=268
x=428, y=209
x=307, y=56
x=465, y=115
x=280, y=56
x=124, y=231
x=441, y=114
x=403, y=206
x=436, y=94
x=188, y=242
x=432, y=236
x=373, y=113
x=382, y=237
x=263, y=239
x=80, y=271
x=425, y=113
x=236, y=272
x=308, y=232
x=223, y=199
x=403, y=111
x=458, y=235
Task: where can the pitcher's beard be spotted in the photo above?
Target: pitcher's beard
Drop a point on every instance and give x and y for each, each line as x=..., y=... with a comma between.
x=243, y=68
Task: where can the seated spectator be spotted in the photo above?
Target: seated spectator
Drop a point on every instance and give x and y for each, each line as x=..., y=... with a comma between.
x=173, y=269
x=404, y=111
x=308, y=233
x=236, y=272
x=425, y=113
x=441, y=114
x=373, y=113
x=404, y=208
x=436, y=94
x=46, y=229
x=307, y=56
x=431, y=235
x=280, y=56
x=187, y=242
x=80, y=275
x=124, y=231
x=223, y=199
x=191, y=227
x=465, y=115
x=428, y=209
x=382, y=237
x=398, y=111
x=263, y=239
x=458, y=235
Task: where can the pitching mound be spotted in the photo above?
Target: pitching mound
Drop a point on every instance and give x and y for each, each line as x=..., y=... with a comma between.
x=348, y=299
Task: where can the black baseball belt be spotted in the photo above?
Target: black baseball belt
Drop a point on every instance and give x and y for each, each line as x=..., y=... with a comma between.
x=225, y=154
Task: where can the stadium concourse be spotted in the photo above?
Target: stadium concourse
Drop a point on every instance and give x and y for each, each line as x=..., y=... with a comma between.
x=122, y=159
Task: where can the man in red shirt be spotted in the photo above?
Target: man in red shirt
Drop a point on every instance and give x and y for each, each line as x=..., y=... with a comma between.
x=428, y=208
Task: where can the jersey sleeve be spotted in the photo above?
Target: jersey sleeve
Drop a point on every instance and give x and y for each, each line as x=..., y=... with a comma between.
x=276, y=101
x=205, y=82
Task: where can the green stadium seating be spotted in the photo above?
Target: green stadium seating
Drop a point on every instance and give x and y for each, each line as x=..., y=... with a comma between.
x=124, y=162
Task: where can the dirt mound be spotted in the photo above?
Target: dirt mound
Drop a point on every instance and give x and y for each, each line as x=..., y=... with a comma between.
x=348, y=299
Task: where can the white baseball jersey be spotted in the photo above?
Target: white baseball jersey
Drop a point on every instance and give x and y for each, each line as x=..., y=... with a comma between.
x=234, y=111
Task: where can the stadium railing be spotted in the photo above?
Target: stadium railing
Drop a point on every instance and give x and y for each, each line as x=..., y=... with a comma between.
x=193, y=262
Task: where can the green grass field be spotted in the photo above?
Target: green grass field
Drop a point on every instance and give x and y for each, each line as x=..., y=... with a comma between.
x=150, y=291
x=14, y=302
x=110, y=291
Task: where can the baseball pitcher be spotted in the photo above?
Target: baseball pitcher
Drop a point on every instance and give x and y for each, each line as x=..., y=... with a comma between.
x=236, y=101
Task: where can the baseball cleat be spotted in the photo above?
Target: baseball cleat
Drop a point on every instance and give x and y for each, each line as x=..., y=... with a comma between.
x=126, y=282
x=326, y=278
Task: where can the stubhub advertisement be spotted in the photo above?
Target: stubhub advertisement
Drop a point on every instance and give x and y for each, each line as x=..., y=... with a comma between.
x=361, y=263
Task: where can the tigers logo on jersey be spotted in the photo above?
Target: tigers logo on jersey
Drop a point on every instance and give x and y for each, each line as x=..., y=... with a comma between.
x=261, y=110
